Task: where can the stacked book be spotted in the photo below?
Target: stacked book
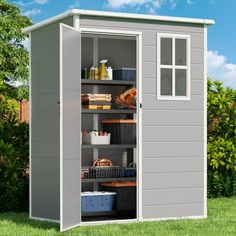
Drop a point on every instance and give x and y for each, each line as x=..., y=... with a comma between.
x=96, y=101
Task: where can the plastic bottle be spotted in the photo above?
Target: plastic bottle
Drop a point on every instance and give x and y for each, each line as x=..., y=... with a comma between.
x=109, y=71
x=102, y=70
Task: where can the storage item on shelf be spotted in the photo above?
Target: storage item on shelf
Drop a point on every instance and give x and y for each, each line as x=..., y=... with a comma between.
x=127, y=98
x=97, y=172
x=124, y=74
x=130, y=171
x=97, y=107
x=96, y=73
x=84, y=172
x=103, y=70
x=96, y=101
x=93, y=137
x=126, y=194
x=122, y=131
x=96, y=97
x=92, y=73
x=110, y=73
x=85, y=74
x=102, y=162
x=97, y=201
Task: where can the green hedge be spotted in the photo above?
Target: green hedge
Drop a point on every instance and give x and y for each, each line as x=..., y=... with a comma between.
x=14, y=158
x=221, y=140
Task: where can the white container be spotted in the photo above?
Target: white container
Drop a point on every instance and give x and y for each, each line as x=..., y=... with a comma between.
x=109, y=71
x=91, y=138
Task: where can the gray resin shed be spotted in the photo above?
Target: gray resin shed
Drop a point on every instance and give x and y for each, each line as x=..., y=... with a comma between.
x=169, y=55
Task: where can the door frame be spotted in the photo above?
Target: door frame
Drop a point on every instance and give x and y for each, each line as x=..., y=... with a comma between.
x=138, y=36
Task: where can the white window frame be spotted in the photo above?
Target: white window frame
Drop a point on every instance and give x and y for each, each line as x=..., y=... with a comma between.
x=173, y=66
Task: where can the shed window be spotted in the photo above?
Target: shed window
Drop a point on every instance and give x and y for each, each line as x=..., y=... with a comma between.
x=173, y=67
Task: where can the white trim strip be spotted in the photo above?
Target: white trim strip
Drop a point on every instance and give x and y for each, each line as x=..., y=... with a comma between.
x=108, y=31
x=205, y=122
x=30, y=135
x=44, y=219
x=175, y=218
x=139, y=127
x=61, y=129
x=118, y=15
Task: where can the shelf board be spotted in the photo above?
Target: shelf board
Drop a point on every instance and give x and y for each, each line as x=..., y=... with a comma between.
x=102, y=213
x=111, y=111
x=108, y=179
x=108, y=146
x=107, y=82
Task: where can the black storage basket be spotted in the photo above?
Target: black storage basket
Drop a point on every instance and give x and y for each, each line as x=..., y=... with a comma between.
x=122, y=131
x=99, y=172
x=128, y=74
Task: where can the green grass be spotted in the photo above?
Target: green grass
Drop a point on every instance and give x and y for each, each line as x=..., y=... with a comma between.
x=221, y=221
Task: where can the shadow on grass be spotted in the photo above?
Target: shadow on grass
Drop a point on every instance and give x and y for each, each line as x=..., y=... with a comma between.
x=21, y=219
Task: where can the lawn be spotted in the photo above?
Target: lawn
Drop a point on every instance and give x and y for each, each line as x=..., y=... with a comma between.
x=221, y=221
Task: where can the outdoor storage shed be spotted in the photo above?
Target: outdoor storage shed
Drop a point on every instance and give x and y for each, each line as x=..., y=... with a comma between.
x=166, y=130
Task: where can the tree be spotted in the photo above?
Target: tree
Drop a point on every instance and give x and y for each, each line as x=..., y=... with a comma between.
x=13, y=56
x=14, y=135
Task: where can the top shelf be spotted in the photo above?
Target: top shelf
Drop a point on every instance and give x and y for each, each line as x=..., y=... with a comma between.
x=107, y=82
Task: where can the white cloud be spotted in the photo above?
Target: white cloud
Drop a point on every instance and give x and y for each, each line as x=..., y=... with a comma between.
x=32, y=12
x=220, y=69
x=41, y=1
x=76, y=4
x=26, y=43
x=30, y=3
x=190, y=2
x=150, y=4
x=20, y=3
x=173, y=4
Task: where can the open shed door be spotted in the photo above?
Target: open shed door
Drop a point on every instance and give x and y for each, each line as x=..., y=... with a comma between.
x=70, y=130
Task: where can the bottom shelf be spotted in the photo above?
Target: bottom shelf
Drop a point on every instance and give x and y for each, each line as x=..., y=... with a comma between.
x=105, y=213
x=108, y=216
x=108, y=179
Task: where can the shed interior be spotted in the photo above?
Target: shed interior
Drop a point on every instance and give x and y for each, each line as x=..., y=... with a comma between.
x=120, y=52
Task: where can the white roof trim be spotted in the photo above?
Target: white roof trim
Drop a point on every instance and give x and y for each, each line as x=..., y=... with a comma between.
x=118, y=15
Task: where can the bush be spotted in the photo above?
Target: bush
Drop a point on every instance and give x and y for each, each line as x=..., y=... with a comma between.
x=14, y=146
x=221, y=167
x=221, y=140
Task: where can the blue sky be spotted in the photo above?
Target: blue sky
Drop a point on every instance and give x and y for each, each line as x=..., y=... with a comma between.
x=221, y=36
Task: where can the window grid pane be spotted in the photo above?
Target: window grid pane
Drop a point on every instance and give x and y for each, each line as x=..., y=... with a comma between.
x=166, y=82
x=166, y=51
x=180, y=82
x=180, y=52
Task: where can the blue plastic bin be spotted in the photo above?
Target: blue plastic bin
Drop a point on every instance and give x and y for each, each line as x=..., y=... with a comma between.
x=97, y=201
x=125, y=74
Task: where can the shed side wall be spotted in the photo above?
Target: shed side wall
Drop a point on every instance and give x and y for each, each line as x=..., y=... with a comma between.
x=172, y=158
x=45, y=125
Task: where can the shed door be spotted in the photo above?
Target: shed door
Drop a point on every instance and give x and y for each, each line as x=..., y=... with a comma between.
x=70, y=118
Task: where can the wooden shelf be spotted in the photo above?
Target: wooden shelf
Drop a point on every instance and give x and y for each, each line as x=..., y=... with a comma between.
x=112, y=111
x=108, y=179
x=107, y=82
x=108, y=146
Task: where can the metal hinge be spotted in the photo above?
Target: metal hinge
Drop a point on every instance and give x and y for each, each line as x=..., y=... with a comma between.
x=140, y=105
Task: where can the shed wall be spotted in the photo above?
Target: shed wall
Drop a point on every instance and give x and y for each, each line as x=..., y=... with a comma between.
x=173, y=139
x=45, y=128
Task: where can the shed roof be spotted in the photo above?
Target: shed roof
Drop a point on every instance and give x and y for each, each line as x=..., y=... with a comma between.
x=119, y=15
